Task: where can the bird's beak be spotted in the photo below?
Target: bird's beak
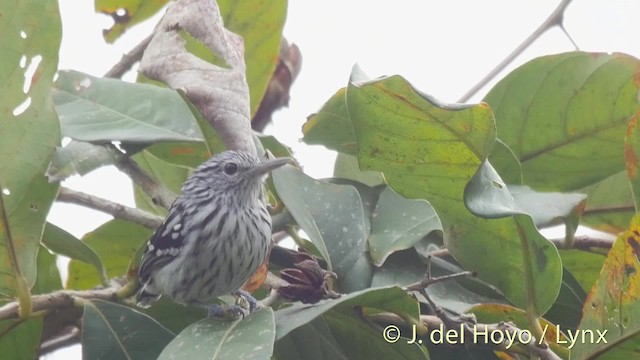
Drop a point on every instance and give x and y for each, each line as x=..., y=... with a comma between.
x=268, y=165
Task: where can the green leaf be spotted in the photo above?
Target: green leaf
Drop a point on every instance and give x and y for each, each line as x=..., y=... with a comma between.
x=332, y=215
x=63, y=243
x=173, y=316
x=182, y=153
x=260, y=24
x=331, y=126
x=313, y=341
x=170, y=175
x=127, y=13
x=610, y=205
x=506, y=163
x=213, y=143
x=112, y=331
x=398, y=224
x=536, y=283
x=272, y=144
x=346, y=166
x=250, y=338
x=632, y=157
x=359, y=339
x=567, y=310
x=392, y=299
x=80, y=158
x=564, y=116
x=613, y=304
x=548, y=209
x=102, y=109
x=114, y=242
x=583, y=265
x=430, y=151
x=30, y=41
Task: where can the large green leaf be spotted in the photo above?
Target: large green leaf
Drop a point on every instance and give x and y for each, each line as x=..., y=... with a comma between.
x=114, y=242
x=100, y=109
x=312, y=341
x=331, y=126
x=612, y=308
x=534, y=285
x=330, y=214
x=260, y=24
x=112, y=331
x=249, y=338
x=30, y=41
x=430, y=151
x=61, y=242
x=565, y=116
x=392, y=299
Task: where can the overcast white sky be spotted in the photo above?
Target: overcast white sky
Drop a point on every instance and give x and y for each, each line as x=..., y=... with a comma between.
x=442, y=47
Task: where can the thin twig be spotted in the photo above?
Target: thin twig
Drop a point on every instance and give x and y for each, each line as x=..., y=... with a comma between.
x=118, y=211
x=555, y=19
x=585, y=242
x=128, y=59
x=420, y=285
x=608, y=209
x=159, y=194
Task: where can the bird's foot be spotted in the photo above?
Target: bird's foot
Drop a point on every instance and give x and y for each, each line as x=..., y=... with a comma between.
x=227, y=312
x=246, y=300
x=245, y=305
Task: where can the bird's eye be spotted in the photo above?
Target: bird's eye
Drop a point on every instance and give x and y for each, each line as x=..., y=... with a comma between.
x=230, y=168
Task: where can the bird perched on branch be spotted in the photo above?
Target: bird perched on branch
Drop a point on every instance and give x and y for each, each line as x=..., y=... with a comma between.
x=215, y=236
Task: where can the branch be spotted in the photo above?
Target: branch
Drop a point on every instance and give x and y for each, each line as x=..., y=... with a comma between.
x=428, y=280
x=118, y=211
x=585, y=242
x=555, y=19
x=59, y=300
x=128, y=59
x=159, y=194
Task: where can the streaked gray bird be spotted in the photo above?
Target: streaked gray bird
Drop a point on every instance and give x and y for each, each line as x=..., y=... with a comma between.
x=215, y=236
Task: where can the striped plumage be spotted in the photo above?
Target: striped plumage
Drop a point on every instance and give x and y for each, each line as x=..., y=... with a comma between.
x=215, y=235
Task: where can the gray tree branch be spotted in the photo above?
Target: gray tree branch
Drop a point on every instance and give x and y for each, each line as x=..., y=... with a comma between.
x=118, y=211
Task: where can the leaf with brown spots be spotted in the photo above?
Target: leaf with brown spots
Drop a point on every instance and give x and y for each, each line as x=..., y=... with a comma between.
x=613, y=304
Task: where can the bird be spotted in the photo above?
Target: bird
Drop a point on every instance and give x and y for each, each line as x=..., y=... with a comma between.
x=214, y=237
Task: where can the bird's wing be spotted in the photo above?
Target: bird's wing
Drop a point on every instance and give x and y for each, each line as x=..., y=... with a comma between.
x=165, y=244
